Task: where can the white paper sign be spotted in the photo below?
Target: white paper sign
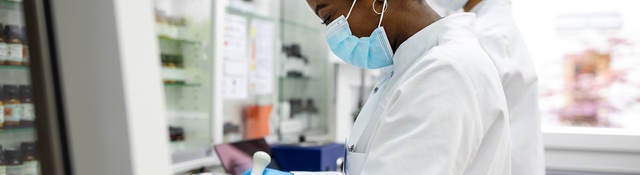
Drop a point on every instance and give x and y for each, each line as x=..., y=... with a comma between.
x=261, y=59
x=236, y=61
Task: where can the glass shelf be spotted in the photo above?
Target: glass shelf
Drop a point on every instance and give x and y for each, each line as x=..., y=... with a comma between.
x=13, y=67
x=290, y=23
x=10, y=2
x=180, y=84
x=16, y=130
x=304, y=78
x=185, y=51
x=247, y=13
x=171, y=54
x=168, y=38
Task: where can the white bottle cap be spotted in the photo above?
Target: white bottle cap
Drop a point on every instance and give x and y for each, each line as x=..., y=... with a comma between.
x=260, y=161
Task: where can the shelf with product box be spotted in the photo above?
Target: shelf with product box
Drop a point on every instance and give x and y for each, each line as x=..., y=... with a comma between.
x=13, y=47
x=176, y=77
x=17, y=108
x=184, y=42
x=17, y=115
x=173, y=72
x=171, y=60
x=172, y=28
x=14, y=67
x=295, y=65
x=19, y=158
x=17, y=132
x=304, y=99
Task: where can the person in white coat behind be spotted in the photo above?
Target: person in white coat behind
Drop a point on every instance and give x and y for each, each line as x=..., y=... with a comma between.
x=500, y=38
x=439, y=108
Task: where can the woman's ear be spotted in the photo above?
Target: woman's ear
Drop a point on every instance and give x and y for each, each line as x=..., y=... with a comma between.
x=378, y=5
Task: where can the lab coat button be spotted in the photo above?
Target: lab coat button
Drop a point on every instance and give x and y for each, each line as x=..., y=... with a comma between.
x=350, y=148
x=375, y=90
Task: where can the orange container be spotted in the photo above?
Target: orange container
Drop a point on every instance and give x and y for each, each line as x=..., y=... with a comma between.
x=256, y=122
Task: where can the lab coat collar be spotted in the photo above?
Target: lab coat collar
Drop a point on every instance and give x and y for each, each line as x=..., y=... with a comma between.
x=485, y=6
x=420, y=43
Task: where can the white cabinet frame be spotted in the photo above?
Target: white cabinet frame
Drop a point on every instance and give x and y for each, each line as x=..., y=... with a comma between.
x=592, y=150
x=110, y=76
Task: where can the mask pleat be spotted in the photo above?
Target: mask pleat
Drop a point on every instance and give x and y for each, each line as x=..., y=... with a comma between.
x=347, y=46
x=360, y=52
x=365, y=52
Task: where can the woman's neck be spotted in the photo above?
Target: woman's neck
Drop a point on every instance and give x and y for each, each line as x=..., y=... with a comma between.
x=470, y=5
x=414, y=16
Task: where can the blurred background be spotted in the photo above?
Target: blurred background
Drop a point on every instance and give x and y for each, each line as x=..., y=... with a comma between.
x=586, y=54
x=160, y=86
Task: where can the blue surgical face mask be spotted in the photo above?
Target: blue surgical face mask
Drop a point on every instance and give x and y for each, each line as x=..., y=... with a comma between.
x=366, y=52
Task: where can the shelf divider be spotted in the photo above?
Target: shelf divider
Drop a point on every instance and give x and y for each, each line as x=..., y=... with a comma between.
x=14, y=67
x=16, y=130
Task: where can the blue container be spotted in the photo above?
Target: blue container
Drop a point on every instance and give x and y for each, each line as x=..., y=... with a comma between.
x=308, y=158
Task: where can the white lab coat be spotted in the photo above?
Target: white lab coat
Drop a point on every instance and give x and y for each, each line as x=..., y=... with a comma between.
x=440, y=109
x=501, y=39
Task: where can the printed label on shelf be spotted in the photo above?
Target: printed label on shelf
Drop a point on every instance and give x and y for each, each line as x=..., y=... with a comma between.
x=12, y=112
x=4, y=52
x=1, y=116
x=14, y=170
x=27, y=112
x=15, y=52
x=30, y=168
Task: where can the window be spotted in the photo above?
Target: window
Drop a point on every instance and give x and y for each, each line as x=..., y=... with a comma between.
x=587, y=53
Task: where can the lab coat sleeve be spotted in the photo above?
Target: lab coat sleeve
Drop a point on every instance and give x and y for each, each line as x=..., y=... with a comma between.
x=431, y=125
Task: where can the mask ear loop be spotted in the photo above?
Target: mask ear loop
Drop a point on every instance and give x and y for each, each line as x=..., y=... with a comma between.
x=384, y=9
x=351, y=9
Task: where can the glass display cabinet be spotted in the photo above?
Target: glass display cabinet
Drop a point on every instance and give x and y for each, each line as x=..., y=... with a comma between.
x=235, y=70
x=279, y=47
x=184, y=35
x=303, y=75
x=17, y=114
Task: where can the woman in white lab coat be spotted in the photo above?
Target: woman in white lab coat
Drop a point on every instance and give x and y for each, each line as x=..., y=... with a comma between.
x=439, y=108
x=500, y=38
